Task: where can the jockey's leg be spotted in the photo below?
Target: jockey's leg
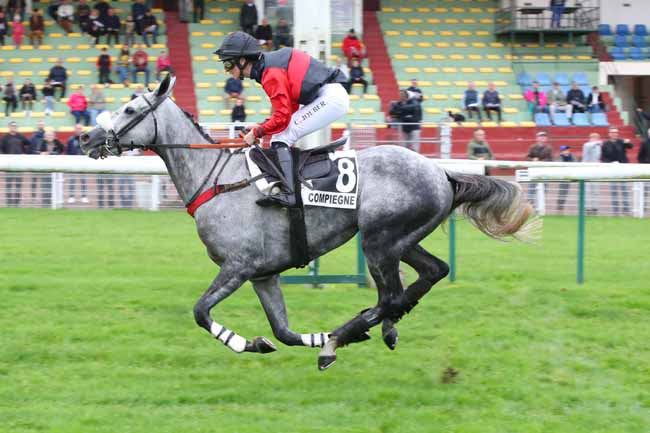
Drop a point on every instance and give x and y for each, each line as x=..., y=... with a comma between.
x=223, y=286
x=287, y=197
x=270, y=294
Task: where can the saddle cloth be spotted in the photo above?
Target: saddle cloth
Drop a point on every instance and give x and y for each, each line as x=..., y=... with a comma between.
x=325, y=178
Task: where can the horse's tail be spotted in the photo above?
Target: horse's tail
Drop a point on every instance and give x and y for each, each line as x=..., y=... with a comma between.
x=496, y=207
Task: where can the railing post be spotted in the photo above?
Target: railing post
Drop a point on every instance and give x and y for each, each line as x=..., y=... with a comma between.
x=581, y=233
x=541, y=199
x=155, y=193
x=53, y=189
x=638, y=201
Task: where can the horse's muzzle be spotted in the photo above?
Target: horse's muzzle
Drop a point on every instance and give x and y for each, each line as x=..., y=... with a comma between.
x=92, y=141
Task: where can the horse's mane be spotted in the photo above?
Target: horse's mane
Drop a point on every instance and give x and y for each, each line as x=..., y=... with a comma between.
x=197, y=126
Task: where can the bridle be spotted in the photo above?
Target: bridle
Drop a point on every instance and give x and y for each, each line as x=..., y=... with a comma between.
x=112, y=143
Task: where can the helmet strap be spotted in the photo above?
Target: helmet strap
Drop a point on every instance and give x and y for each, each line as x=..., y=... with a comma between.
x=242, y=66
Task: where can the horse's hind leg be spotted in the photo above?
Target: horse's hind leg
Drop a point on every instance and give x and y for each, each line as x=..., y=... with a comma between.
x=223, y=286
x=270, y=294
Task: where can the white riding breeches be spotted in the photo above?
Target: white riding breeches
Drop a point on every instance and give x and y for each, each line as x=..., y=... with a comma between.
x=331, y=103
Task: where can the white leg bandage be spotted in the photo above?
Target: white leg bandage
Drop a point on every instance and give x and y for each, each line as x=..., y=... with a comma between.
x=235, y=342
x=314, y=340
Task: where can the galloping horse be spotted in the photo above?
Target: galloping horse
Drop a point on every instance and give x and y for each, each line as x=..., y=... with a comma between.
x=402, y=198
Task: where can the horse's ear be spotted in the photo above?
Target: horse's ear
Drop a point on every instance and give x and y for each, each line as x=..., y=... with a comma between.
x=165, y=88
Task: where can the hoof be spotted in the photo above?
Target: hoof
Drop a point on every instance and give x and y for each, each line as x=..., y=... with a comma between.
x=261, y=345
x=325, y=362
x=390, y=338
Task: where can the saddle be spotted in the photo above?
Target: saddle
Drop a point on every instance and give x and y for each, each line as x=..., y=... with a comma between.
x=313, y=165
x=308, y=164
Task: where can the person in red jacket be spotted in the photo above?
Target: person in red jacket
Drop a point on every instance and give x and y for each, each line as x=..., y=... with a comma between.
x=305, y=95
x=353, y=48
x=79, y=106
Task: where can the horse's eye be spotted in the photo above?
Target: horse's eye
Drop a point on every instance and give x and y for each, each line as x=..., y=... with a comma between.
x=129, y=110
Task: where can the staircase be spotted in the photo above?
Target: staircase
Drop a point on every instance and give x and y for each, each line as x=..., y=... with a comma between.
x=179, y=52
x=379, y=60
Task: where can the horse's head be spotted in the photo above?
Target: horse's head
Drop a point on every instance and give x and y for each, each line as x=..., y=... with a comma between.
x=133, y=124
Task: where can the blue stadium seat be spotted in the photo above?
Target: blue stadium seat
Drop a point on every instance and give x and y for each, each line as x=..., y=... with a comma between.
x=543, y=79
x=638, y=41
x=620, y=41
x=604, y=30
x=640, y=30
x=599, y=119
x=542, y=119
x=618, y=53
x=636, y=54
x=622, y=29
x=562, y=79
x=524, y=79
x=586, y=90
x=561, y=119
x=581, y=78
x=580, y=119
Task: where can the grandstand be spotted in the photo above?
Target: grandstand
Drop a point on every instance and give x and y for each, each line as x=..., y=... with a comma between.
x=444, y=44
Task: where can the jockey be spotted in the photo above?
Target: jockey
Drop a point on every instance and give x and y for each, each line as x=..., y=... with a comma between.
x=305, y=95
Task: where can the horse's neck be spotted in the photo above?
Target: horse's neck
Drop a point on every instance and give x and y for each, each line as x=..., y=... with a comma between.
x=188, y=168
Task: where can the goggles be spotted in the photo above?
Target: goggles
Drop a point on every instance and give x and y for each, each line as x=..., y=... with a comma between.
x=228, y=64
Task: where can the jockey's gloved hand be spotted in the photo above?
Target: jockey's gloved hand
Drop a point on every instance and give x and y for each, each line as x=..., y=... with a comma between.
x=250, y=137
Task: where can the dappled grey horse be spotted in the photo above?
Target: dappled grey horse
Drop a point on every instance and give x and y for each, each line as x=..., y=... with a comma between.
x=403, y=197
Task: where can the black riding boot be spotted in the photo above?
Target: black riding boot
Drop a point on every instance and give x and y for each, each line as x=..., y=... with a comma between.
x=286, y=197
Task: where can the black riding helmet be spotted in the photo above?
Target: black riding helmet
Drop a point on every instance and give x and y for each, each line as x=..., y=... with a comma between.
x=238, y=46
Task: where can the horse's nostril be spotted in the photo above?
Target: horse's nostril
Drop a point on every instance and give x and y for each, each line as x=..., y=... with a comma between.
x=85, y=138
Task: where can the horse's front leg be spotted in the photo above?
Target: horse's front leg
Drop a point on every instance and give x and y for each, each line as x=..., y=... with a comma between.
x=223, y=286
x=270, y=294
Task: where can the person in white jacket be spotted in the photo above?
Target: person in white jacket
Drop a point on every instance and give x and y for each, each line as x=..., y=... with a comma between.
x=591, y=152
x=65, y=16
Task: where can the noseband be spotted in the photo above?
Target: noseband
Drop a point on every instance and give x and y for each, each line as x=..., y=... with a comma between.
x=113, y=137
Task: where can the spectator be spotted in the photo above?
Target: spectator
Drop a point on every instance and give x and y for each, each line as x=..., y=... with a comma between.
x=17, y=31
x=537, y=102
x=478, y=148
x=65, y=16
x=138, y=9
x=415, y=91
x=541, y=150
x=79, y=106
x=644, y=150
x=471, y=101
x=563, y=188
x=50, y=145
x=13, y=143
x=163, y=63
x=557, y=101
x=352, y=47
x=492, y=102
x=36, y=28
x=343, y=68
x=409, y=114
x=357, y=76
x=58, y=76
x=104, y=10
x=48, y=96
x=615, y=150
x=96, y=104
x=123, y=62
x=595, y=103
x=35, y=146
x=238, y=113
x=139, y=91
x=9, y=96
x=248, y=17
x=591, y=152
x=283, y=36
x=129, y=31
x=576, y=99
x=73, y=147
x=141, y=64
x=557, y=9
x=97, y=27
x=16, y=7
x=149, y=27
x=104, y=67
x=83, y=16
x=264, y=34
x=27, y=96
x=113, y=26
x=4, y=27
x=53, y=8
x=233, y=88
x=199, y=10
